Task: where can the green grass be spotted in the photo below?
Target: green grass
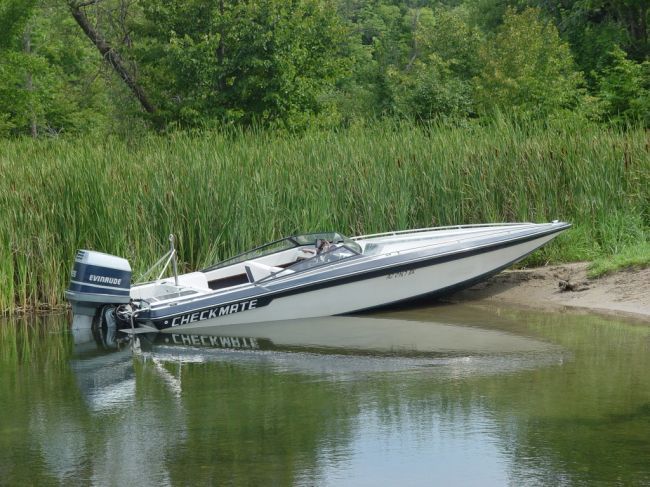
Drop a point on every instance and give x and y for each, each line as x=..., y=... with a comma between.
x=221, y=193
x=632, y=257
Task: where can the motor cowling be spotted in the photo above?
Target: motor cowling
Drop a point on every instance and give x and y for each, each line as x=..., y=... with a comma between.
x=97, y=279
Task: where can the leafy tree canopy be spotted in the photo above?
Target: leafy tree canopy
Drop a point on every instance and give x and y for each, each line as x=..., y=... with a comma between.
x=114, y=66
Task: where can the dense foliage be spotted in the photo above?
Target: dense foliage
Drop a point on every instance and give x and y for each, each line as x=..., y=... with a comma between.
x=113, y=66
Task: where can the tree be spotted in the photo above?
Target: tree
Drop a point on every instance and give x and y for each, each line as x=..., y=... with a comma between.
x=429, y=90
x=603, y=24
x=527, y=69
x=424, y=59
x=47, y=85
x=108, y=52
x=266, y=61
x=624, y=88
x=17, y=106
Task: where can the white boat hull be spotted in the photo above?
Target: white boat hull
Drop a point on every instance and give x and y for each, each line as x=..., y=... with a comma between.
x=303, y=276
x=374, y=292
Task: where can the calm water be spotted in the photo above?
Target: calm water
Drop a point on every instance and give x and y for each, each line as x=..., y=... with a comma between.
x=447, y=395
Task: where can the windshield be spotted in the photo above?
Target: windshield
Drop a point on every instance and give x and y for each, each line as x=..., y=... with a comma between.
x=271, y=248
x=318, y=239
x=333, y=253
x=304, y=240
x=312, y=238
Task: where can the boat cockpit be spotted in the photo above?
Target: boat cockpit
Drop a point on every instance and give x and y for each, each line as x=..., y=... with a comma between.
x=297, y=253
x=286, y=256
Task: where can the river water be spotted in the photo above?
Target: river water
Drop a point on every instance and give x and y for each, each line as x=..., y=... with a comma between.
x=443, y=395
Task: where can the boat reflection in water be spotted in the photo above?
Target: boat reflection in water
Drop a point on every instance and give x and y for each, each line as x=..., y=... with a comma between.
x=352, y=344
x=103, y=368
x=212, y=394
x=359, y=335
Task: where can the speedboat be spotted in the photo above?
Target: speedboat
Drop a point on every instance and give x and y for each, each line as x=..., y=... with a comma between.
x=301, y=276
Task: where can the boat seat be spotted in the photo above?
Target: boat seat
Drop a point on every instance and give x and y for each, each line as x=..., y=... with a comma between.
x=195, y=280
x=256, y=271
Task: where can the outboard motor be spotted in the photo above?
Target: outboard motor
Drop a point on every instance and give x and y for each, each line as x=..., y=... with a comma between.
x=97, y=280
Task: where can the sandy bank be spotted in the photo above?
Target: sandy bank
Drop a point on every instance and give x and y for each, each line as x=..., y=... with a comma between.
x=625, y=293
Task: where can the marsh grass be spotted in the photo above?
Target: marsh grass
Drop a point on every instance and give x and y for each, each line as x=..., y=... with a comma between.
x=630, y=257
x=222, y=192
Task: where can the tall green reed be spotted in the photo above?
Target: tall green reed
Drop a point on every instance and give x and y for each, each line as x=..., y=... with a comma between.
x=222, y=192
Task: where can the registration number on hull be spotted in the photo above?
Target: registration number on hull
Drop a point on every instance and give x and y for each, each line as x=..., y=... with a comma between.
x=399, y=275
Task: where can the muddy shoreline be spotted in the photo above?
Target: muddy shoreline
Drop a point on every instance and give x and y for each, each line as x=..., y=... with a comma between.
x=566, y=287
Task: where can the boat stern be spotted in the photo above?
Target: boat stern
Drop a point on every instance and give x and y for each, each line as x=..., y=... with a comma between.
x=97, y=280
